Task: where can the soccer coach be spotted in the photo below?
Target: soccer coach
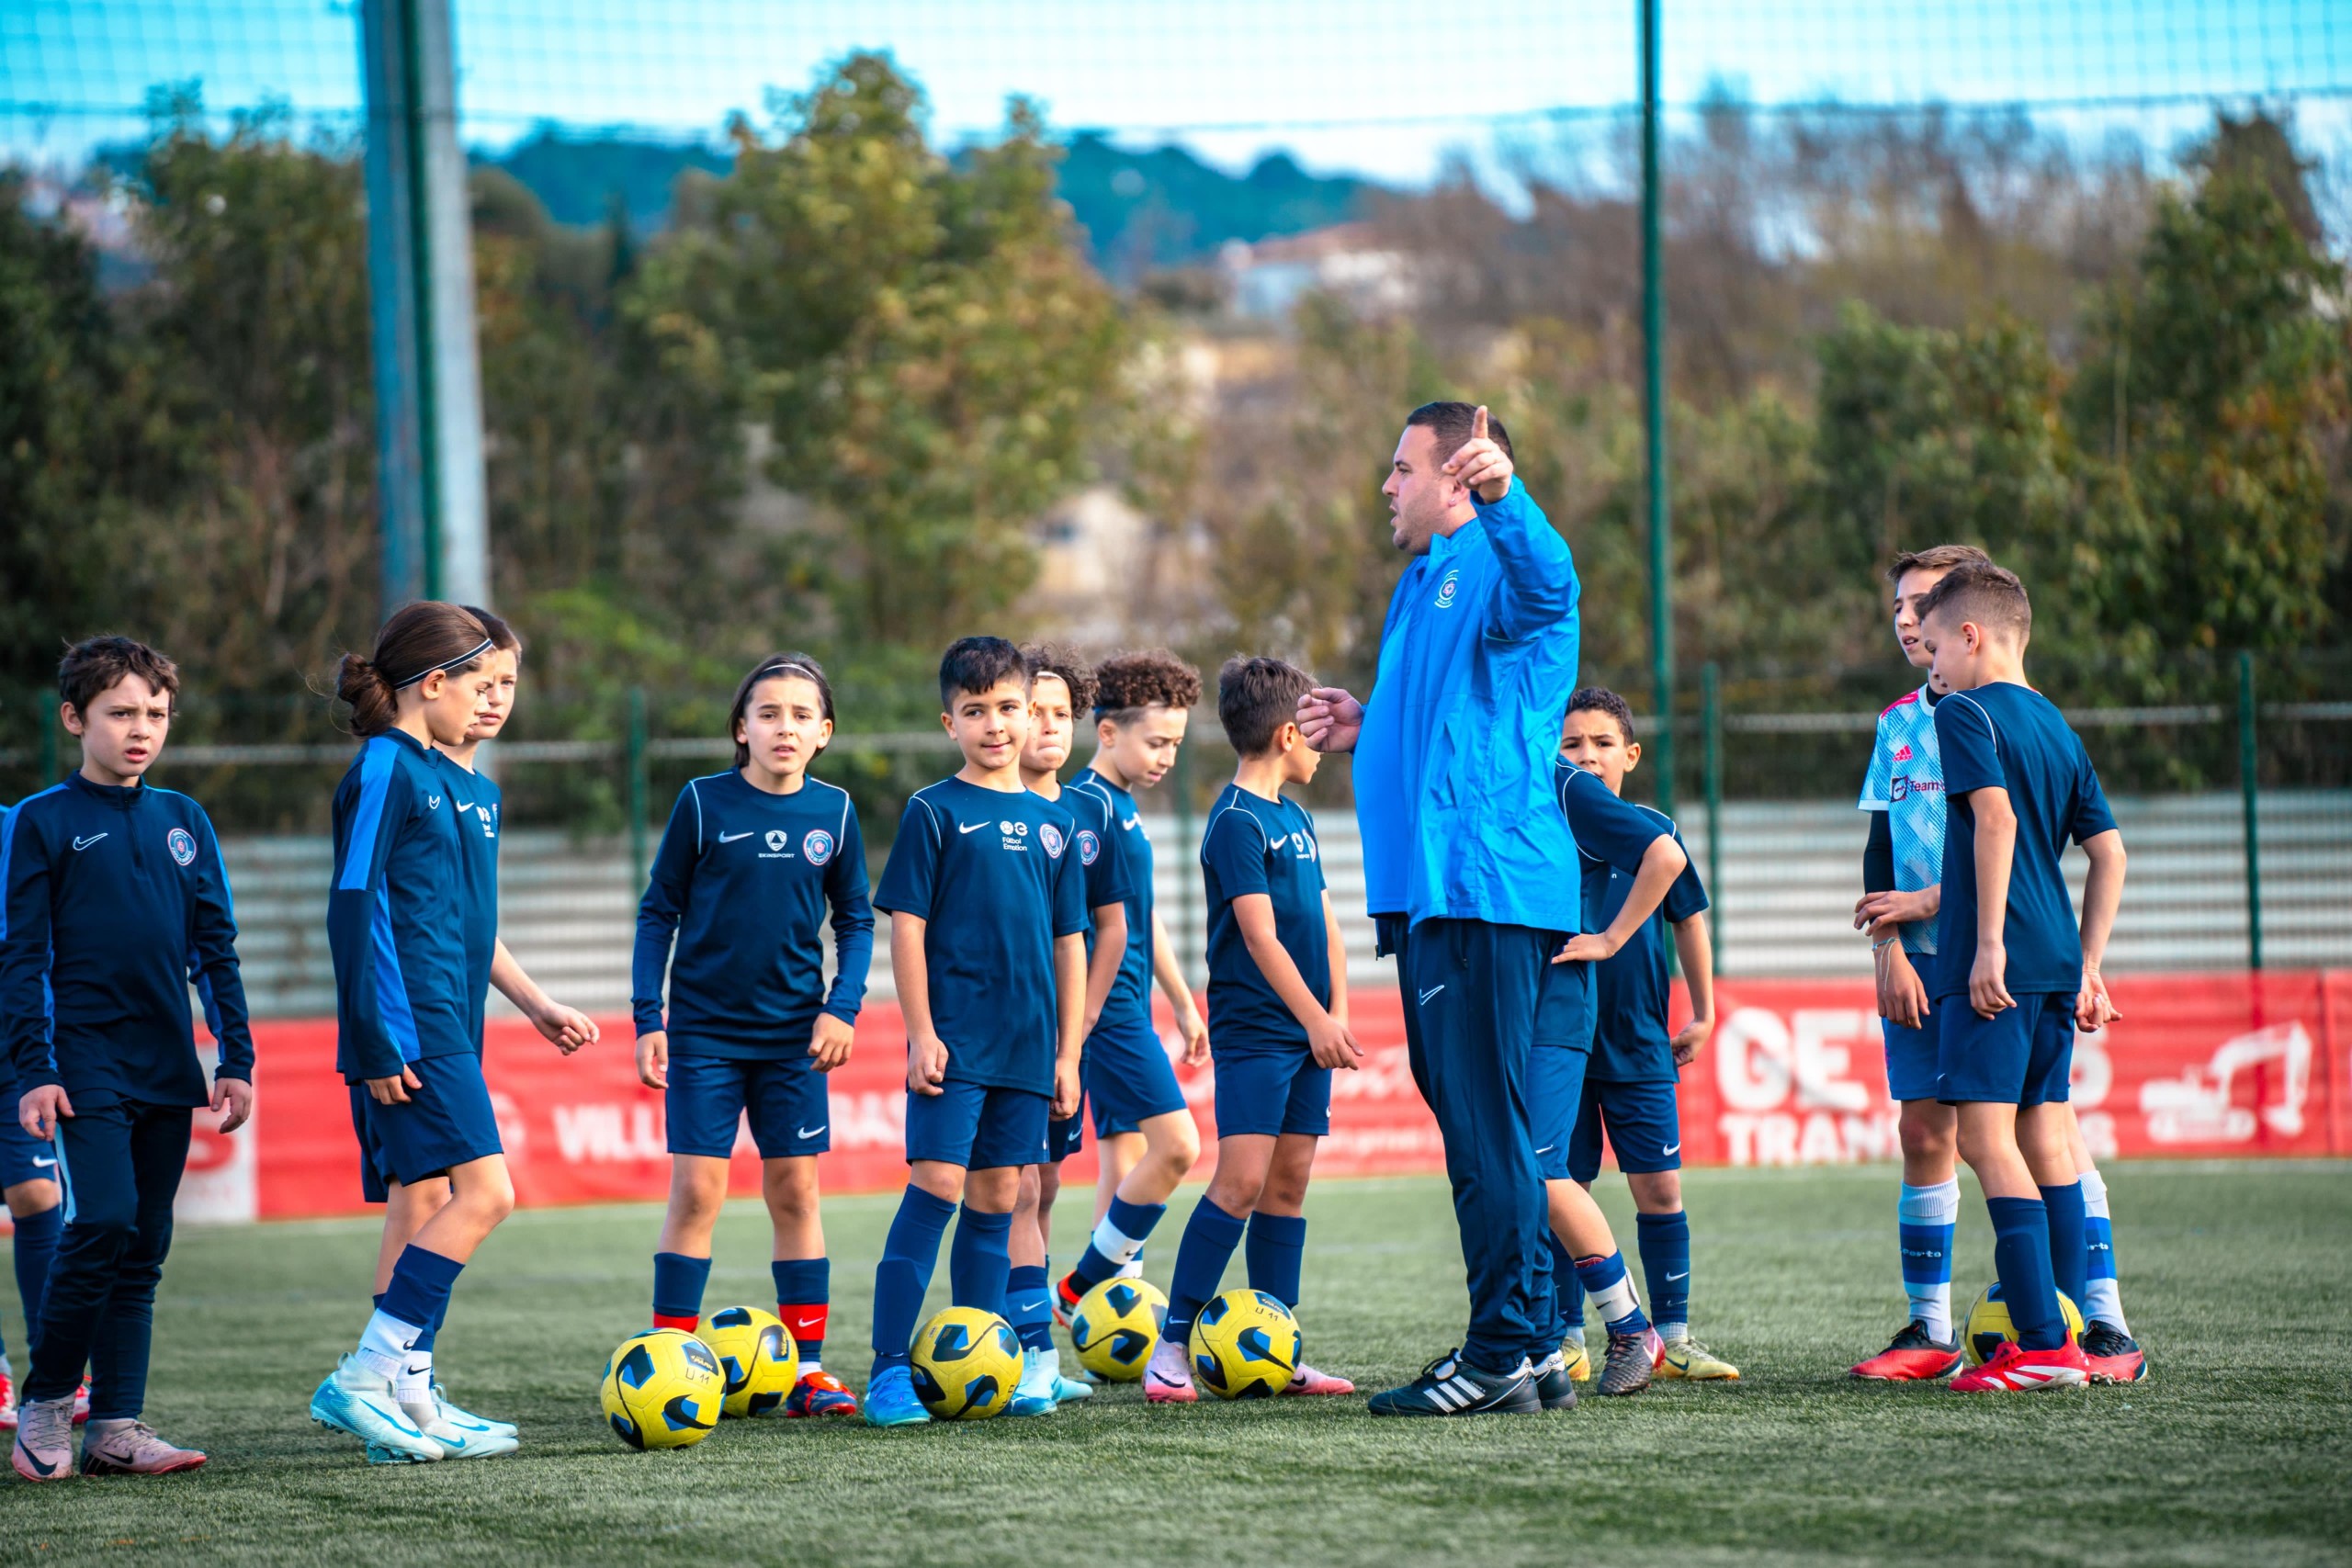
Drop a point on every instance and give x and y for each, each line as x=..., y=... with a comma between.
x=1469, y=867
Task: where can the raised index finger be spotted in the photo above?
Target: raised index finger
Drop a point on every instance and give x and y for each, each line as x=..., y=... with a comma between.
x=1478, y=423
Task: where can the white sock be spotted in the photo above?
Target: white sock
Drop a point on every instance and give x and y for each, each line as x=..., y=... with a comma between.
x=383, y=1349
x=2103, y=1296
x=1115, y=1244
x=1617, y=1303
x=1673, y=1333
x=1133, y=1268
x=415, y=1385
x=1932, y=1206
x=813, y=1364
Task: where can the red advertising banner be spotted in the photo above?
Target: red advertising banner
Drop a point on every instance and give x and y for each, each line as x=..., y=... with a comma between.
x=2200, y=1064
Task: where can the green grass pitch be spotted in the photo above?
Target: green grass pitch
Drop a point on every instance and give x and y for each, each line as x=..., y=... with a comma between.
x=2237, y=1277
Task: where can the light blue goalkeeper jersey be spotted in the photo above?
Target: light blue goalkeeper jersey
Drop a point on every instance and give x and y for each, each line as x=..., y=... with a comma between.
x=1907, y=781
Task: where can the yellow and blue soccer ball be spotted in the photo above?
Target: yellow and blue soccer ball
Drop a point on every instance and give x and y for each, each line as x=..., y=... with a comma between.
x=756, y=1356
x=1245, y=1345
x=663, y=1390
x=1988, y=1323
x=1115, y=1326
x=965, y=1364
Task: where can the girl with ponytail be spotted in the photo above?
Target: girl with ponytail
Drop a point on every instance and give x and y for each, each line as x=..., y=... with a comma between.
x=404, y=931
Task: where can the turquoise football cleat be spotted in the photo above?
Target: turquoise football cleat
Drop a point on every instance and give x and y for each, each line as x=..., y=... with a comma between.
x=890, y=1400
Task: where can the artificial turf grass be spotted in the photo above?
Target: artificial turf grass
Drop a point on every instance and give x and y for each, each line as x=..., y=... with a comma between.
x=2238, y=1278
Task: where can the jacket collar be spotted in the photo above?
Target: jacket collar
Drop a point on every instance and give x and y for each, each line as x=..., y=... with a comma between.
x=1462, y=538
x=122, y=797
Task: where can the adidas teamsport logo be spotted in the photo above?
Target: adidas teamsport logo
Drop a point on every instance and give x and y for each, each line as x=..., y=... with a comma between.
x=1901, y=754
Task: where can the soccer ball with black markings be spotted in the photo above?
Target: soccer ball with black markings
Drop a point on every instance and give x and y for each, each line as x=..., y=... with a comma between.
x=1245, y=1345
x=663, y=1390
x=755, y=1354
x=1115, y=1326
x=965, y=1364
x=1988, y=1323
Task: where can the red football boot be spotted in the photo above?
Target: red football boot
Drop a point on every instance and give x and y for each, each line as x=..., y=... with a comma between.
x=1915, y=1356
x=2016, y=1369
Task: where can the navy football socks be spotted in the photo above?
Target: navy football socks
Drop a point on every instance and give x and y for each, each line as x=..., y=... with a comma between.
x=678, y=1284
x=909, y=1255
x=1606, y=1282
x=1029, y=1298
x=1567, y=1289
x=2021, y=1259
x=2069, y=1258
x=1663, y=1241
x=804, y=1292
x=1210, y=1236
x=979, y=1263
x=1276, y=1251
x=36, y=1249
x=1118, y=1239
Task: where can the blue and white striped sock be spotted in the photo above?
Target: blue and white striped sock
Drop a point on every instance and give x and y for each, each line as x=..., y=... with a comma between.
x=1924, y=1219
x=2102, y=1297
x=1606, y=1282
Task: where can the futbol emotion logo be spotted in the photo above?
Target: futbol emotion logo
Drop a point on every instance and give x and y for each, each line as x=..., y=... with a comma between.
x=818, y=846
x=1089, y=847
x=182, y=843
x=1902, y=790
x=1446, y=589
x=1051, y=837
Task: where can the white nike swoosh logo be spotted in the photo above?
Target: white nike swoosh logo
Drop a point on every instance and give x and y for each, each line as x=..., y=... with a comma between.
x=971, y=826
x=1547, y=1148
x=1684, y=1275
x=730, y=838
x=1130, y=824
x=1032, y=1307
x=464, y=805
x=808, y=1132
x=43, y=1160
x=1431, y=992
x=1671, y=1149
x=86, y=843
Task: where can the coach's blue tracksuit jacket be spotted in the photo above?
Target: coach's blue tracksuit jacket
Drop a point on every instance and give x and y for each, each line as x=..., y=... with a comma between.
x=1453, y=768
x=114, y=900
x=399, y=921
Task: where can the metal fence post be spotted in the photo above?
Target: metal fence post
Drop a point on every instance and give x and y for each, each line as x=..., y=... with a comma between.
x=638, y=788
x=1711, y=705
x=2249, y=787
x=1654, y=415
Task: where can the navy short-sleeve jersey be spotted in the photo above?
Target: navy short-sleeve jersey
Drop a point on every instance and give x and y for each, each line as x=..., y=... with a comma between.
x=993, y=873
x=1256, y=845
x=1631, y=1043
x=1127, y=839
x=1105, y=869
x=2012, y=738
x=475, y=798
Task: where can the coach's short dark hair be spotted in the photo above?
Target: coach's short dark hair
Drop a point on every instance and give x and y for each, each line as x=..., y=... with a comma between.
x=94, y=665
x=1130, y=683
x=1936, y=557
x=1255, y=697
x=501, y=635
x=976, y=664
x=1450, y=423
x=1062, y=662
x=1987, y=595
x=774, y=667
x=1600, y=699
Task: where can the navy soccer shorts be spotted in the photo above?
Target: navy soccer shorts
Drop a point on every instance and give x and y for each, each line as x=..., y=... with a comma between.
x=979, y=1126
x=1555, y=1096
x=1644, y=1124
x=1911, y=1055
x=1065, y=1136
x=2023, y=1057
x=23, y=1157
x=1566, y=1005
x=1268, y=1093
x=1128, y=1078
x=446, y=1123
x=709, y=1097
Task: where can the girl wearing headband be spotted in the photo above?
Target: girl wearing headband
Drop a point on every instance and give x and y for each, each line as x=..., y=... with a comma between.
x=409, y=945
x=753, y=864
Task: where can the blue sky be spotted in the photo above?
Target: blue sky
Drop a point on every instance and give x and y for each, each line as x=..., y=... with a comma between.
x=1384, y=87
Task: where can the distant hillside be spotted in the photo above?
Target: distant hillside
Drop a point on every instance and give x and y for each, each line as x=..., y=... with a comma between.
x=1140, y=210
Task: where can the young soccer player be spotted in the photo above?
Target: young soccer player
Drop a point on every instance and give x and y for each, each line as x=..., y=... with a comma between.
x=1278, y=1010
x=413, y=945
x=1629, y=1086
x=475, y=797
x=1143, y=1130
x=749, y=864
x=1902, y=868
x=29, y=1184
x=1061, y=686
x=2015, y=976
x=988, y=944
x=112, y=899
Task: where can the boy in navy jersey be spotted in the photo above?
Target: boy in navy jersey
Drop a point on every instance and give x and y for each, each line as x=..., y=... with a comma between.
x=751, y=862
x=1629, y=1086
x=988, y=944
x=1061, y=686
x=1278, y=1006
x=1144, y=1135
x=29, y=1184
x=112, y=899
x=2015, y=976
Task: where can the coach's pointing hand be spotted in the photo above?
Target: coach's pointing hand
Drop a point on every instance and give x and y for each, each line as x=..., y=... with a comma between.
x=1329, y=720
x=1481, y=465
